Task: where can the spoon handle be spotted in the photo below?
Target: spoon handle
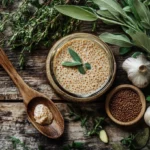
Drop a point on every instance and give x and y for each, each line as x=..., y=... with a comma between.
x=26, y=92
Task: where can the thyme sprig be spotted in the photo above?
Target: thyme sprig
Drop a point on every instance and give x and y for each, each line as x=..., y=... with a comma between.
x=34, y=25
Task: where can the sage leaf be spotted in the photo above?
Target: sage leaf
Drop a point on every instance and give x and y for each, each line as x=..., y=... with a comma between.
x=74, y=55
x=76, y=12
x=141, y=138
x=117, y=39
x=112, y=6
x=142, y=11
x=111, y=22
x=105, y=13
x=81, y=69
x=148, y=98
x=87, y=66
x=71, y=64
x=140, y=39
x=136, y=54
x=124, y=50
x=127, y=9
x=133, y=9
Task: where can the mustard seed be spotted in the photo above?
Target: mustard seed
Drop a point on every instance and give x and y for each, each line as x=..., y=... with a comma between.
x=125, y=105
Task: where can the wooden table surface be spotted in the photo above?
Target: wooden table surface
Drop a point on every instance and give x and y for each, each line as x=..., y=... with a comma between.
x=13, y=118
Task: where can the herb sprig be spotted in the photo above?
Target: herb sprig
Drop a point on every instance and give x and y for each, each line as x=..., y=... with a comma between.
x=77, y=62
x=93, y=125
x=5, y=3
x=34, y=25
x=128, y=141
x=16, y=142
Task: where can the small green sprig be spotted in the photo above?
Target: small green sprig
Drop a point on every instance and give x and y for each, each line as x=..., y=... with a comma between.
x=5, y=3
x=16, y=142
x=129, y=141
x=82, y=67
x=74, y=146
x=148, y=98
x=92, y=128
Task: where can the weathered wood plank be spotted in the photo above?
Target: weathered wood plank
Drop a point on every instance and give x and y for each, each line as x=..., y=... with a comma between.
x=13, y=122
x=35, y=75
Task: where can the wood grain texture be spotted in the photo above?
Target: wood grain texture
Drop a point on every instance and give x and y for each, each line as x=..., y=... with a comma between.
x=35, y=73
x=13, y=122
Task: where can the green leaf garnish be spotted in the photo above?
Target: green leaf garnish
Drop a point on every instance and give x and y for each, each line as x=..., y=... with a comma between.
x=81, y=69
x=77, y=62
x=87, y=66
x=74, y=55
x=71, y=64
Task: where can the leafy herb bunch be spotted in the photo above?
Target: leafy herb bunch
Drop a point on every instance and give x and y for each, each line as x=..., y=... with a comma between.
x=91, y=122
x=132, y=15
x=35, y=25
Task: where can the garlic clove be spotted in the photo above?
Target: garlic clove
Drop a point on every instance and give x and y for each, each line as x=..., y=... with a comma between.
x=147, y=116
x=138, y=70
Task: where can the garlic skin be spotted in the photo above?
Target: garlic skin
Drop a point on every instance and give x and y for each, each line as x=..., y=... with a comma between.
x=138, y=70
x=147, y=116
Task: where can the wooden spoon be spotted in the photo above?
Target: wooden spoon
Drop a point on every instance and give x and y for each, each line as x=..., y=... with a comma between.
x=31, y=99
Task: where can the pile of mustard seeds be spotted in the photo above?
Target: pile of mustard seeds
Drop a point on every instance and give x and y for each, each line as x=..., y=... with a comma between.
x=125, y=105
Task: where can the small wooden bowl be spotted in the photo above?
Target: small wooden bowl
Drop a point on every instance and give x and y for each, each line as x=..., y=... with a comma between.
x=115, y=90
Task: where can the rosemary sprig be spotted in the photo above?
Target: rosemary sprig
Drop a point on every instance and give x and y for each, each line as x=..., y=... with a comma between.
x=77, y=62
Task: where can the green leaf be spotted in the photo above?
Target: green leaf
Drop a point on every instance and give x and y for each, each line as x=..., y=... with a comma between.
x=141, y=138
x=87, y=66
x=133, y=9
x=148, y=98
x=127, y=9
x=142, y=11
x=136, y=54
x=117, y=39
x=76, y=12
x=74, y=55
x=71, y=64
x=140, y=39
x=112, y=6
x=105, y=13
x=81, y=69
x=124, y=50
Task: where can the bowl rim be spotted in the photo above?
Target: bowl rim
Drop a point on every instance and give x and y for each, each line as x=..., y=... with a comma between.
x=62, y=93
x=142, y=99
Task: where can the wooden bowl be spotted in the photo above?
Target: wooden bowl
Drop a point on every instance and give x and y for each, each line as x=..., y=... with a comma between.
x=115, y=90
x=55, y=84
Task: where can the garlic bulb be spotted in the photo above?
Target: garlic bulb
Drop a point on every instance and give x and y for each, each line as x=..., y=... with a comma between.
x=147, y=116
x=138, y=70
